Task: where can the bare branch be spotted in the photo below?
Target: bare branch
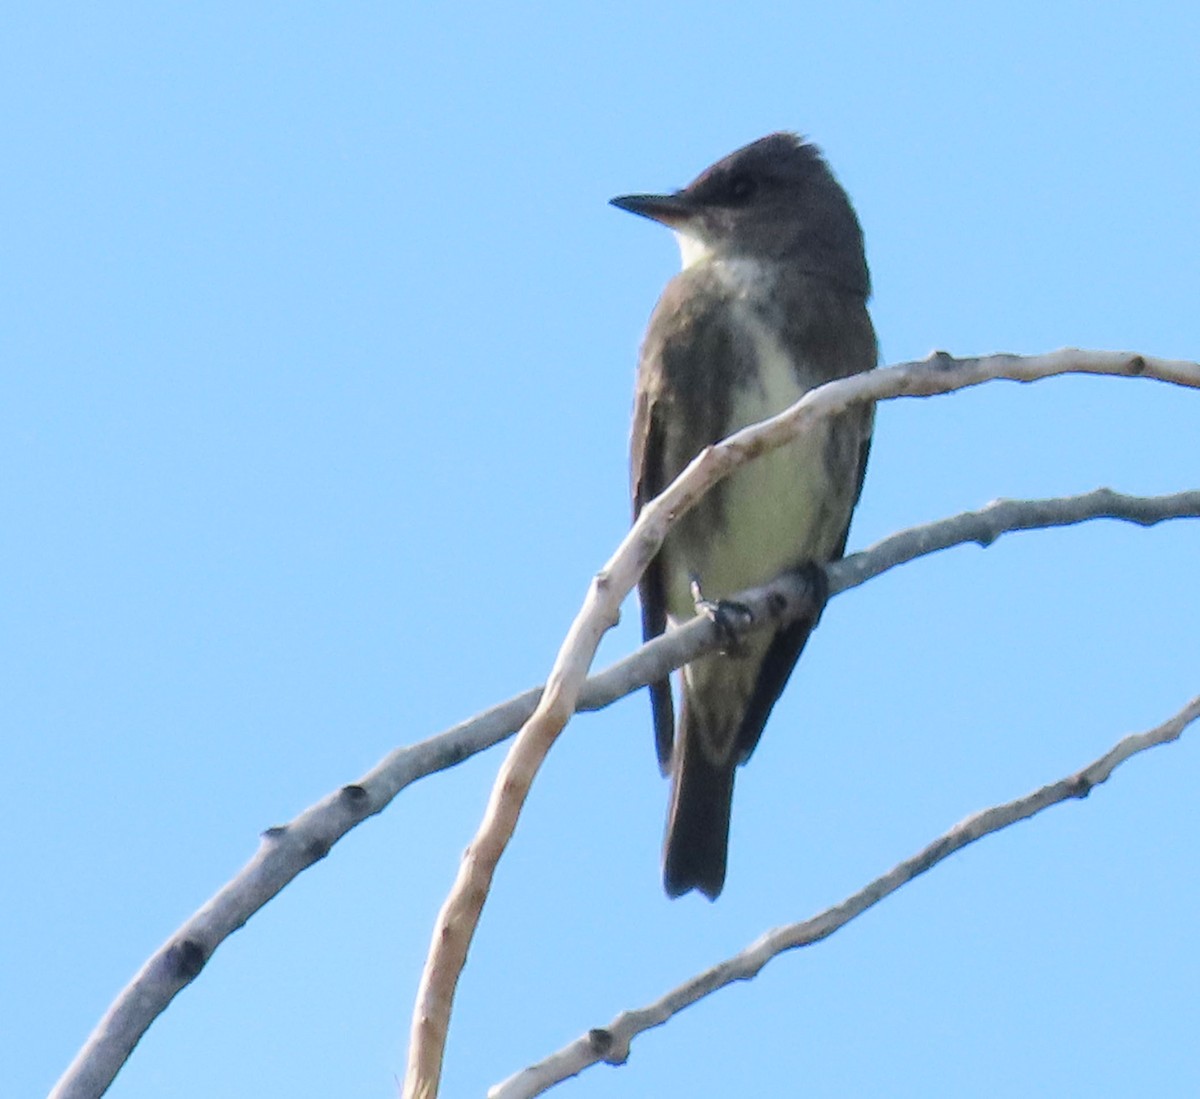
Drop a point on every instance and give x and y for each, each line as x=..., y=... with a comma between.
x=611, y=1043
x=288, y=850
x=1001, y=517
x=459, y=916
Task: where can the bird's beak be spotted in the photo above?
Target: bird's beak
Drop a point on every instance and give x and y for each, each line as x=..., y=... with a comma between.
x=672, y=210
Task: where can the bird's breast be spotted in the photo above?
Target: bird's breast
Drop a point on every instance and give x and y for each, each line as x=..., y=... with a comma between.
x=773, y=514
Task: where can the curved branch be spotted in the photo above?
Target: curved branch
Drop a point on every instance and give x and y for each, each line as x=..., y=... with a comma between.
x=288, y=850
x=455, y=925
x=611, y=1043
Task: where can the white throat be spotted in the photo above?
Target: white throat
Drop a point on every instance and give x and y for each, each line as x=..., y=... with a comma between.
x=692, y=249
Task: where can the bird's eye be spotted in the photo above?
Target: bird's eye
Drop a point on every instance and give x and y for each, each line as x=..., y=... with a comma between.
x=742, y=187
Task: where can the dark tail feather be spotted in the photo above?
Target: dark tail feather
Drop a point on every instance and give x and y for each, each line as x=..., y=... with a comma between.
x=698, y=823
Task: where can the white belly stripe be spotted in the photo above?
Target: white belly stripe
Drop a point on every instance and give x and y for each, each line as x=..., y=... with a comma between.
x=772, y=499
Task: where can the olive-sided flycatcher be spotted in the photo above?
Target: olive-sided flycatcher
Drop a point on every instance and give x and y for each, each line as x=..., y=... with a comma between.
x=771, y=302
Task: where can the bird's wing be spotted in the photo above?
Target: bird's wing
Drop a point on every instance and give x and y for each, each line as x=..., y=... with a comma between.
x=865, y=417
x=646, y=469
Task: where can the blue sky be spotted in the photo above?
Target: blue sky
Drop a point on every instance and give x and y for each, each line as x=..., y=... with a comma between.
x=318, y=341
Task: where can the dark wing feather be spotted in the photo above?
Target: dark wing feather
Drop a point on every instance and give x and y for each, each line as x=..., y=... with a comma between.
x=646, y=462
x=773, y=675
x=868, y=415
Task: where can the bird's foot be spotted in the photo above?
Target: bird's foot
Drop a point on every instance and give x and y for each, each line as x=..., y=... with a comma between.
x=728, y=615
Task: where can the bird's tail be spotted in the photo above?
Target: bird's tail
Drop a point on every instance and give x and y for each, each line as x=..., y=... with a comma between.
x=698, y=822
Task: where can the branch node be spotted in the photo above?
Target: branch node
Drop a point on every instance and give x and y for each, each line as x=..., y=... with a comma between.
x=1080, y=786
x=600, y=1040
x=316, y=848
x=187, y=957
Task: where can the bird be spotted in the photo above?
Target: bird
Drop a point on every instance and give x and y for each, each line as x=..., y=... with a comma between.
x=771, y=302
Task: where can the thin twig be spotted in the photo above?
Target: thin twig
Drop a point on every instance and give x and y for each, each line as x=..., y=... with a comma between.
x=611, y=1043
